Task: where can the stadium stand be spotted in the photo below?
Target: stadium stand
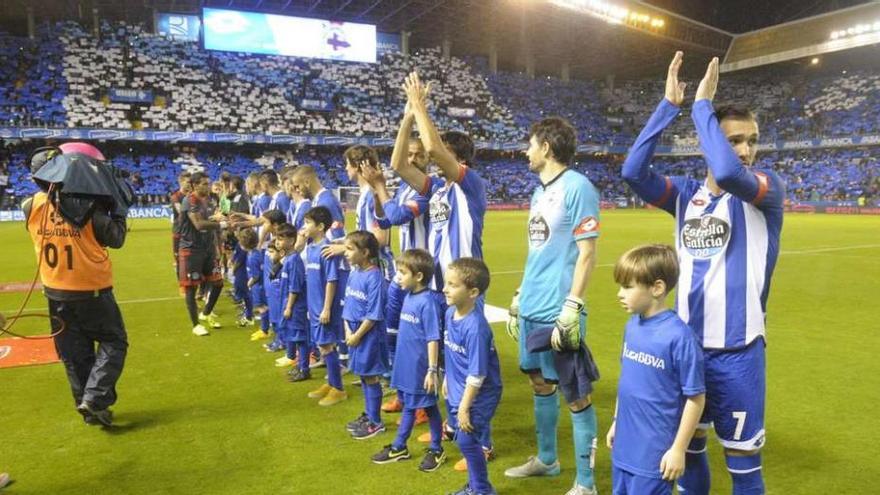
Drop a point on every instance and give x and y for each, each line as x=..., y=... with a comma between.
x=811, y=175
x=199, y=90
x=63, y=77
x=31, y=83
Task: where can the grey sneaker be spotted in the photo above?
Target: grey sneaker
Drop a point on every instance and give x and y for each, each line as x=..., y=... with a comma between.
x=533, y=467
x=91, y=414
x=582, y=490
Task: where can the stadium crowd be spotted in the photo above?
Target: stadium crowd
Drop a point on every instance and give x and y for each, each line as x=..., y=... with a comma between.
x=843, y=174
x=63, y=76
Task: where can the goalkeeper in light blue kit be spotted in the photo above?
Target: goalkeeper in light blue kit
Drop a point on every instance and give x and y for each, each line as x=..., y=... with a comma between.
x=563, y=229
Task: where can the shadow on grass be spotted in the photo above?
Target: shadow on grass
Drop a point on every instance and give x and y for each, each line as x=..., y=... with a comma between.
x=138, y=421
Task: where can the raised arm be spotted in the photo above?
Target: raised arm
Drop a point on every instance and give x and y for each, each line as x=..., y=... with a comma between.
x=417, y=95
x=650, y=186
x=388, y=211
x=408, y=173
x=761, y=188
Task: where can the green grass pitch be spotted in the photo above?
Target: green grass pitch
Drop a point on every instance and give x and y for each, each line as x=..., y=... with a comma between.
x=212, y=415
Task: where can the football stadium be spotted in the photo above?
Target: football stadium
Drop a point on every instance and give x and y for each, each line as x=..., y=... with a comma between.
x=439, y=246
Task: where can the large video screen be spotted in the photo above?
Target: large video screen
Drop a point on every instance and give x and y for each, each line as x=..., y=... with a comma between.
x=179, y=26
x=251, y=32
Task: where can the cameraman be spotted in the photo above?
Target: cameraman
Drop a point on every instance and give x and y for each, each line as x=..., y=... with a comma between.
x=77, y=278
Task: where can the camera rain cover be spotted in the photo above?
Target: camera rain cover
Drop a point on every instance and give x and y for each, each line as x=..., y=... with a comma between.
x=93, y=183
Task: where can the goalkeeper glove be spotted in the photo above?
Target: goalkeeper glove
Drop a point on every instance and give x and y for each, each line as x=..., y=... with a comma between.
x=513, y=318
x=566, y=335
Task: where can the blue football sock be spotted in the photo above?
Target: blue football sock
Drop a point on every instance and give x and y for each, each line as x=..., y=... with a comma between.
x=696, y=479
x=546, y=420
x=391, y=344
x=342, y=348
x=264, y=323
x=248, y=306
x=435, y=423
x=374, y=401
x=478, y=472
x=304, y=355
x=584, y=431
x=334, y=374
x=291, y=350
x=485, y=437
x=746, y=474
x=407, y=420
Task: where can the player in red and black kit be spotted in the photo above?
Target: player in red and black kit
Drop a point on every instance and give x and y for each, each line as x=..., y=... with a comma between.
x=176, y=199
x=198, y=260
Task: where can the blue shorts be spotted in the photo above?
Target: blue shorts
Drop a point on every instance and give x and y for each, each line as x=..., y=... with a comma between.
x=416, y=401
x=370, y=356
x=735, y=393
x=300, y=333
x=294, y=331
x=482, y=411
x=542, y=362
x=257, y=295
x=240, y=289
x=330, y=333
x=626, y=483
x=393, y=305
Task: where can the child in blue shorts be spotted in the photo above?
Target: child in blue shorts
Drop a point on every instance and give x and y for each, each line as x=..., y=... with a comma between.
x=661, y=393
x=255, y=259
x=363, y=316
x=294, y=317
x=247, y=242
x=415, y=370
x=473, y=377
x=268, y=221
x=324, y=302
x=272, y=289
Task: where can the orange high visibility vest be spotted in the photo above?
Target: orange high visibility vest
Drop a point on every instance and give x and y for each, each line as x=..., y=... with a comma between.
x=72, y=259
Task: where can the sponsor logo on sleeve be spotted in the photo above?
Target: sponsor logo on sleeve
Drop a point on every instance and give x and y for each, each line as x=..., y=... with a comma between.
x=587, y=225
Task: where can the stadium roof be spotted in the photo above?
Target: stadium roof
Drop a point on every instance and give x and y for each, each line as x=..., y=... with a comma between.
x=748, y=15
x=592, y=47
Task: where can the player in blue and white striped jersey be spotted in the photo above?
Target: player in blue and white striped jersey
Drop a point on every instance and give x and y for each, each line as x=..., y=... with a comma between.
x=728, y=232
x=408, y=210
x=357, y=158
x=299, y=204
x=458, y=207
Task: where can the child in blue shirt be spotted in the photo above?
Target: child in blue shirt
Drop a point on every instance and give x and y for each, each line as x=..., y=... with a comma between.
x=255, y=261
x=363, y=318
x=324, y=302
x=247, y=242
x=264, y=225
x=415, y=370
x=661, y=393
x=272, y=289
x=294, y=318
x=473, y=377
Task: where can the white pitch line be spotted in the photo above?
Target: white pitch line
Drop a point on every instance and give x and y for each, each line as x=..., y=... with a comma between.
x=128, y=301
x=832, y=249
x=507, y=272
